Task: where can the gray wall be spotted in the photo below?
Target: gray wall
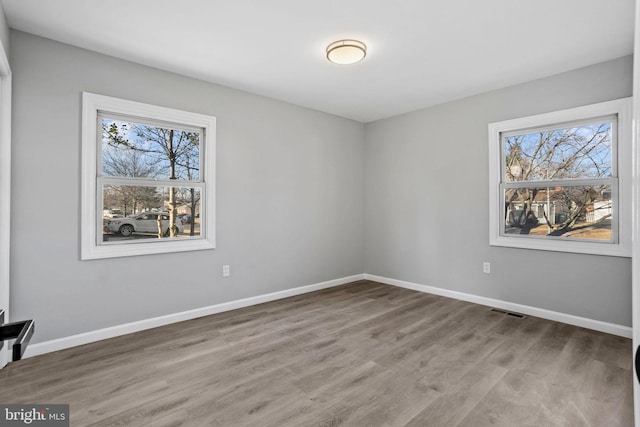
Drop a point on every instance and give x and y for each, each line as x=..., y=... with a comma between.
x=4, y=31
x=426, y=198
x=293, y=186
x=289, y=196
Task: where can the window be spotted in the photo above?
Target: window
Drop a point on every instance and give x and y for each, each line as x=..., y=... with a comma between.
x=148, y=179
x=561, y=181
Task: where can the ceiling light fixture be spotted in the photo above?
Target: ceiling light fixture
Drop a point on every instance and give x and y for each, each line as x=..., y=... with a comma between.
x=346, y=52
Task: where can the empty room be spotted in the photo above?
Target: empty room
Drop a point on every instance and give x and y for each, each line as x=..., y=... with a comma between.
x=328, y=213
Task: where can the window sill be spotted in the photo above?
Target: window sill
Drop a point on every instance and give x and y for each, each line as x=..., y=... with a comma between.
x=559, y=245
x=146, y=248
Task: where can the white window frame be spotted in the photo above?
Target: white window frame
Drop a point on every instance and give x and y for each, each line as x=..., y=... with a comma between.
x=621, y=177
x=91, y=193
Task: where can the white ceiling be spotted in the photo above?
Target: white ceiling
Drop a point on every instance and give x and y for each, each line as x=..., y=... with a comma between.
x=420, y=52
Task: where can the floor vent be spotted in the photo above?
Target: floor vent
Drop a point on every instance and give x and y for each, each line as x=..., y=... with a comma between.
x=518, y=315
x=508, y=313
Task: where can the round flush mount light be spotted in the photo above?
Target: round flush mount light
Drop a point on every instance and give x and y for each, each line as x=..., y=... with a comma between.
x=346, y=52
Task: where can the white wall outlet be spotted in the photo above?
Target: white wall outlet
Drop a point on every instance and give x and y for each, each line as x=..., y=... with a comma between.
x=226, y=271
x=486, y=267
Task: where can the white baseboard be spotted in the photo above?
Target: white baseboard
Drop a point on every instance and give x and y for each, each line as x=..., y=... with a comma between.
x=127, y=328
x=597, y=325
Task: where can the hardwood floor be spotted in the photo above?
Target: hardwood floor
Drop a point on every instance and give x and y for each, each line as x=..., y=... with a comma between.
x=362, y=354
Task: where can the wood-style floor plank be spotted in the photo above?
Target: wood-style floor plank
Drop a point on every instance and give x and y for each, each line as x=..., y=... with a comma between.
x=363, y=354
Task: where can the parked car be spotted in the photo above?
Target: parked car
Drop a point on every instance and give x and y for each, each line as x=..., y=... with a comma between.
x=186, y=218
x=146, y=222
x=109, y=213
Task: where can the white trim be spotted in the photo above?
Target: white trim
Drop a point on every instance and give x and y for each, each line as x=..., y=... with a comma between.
x=89, y=215
x=128, y=328
x=622, y=151
x=597, y=325
x=5, y=189
x=635, y=259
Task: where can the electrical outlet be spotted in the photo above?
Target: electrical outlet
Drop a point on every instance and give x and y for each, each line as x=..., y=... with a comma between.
x=226, y=271
x=486, y=267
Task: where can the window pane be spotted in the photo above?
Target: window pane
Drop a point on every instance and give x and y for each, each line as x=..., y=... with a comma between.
x=576, y=212
x=133, y=212
x=144, y=151
x=574, y=152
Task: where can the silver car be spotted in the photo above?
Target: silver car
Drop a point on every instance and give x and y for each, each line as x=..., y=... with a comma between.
x=146, y=222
